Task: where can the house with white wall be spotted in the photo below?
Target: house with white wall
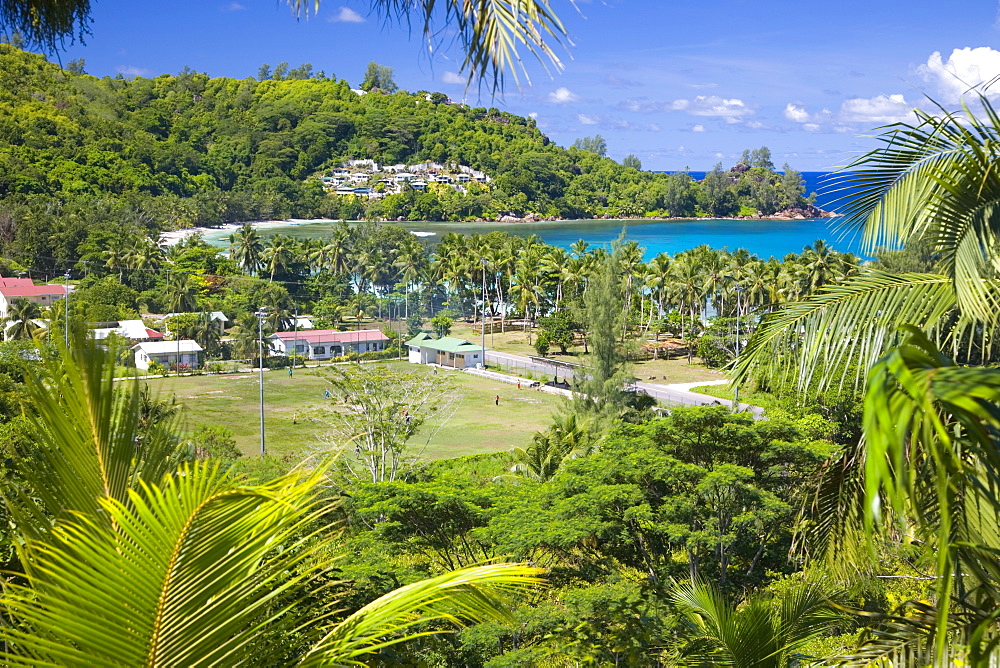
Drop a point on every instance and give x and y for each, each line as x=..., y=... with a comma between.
x=445, y=351
x=24, y=288
x=324, y=344
x=185, y=353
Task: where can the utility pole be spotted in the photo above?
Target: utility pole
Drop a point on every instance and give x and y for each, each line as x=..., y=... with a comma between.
x=66, y=300
x=261, y=314
x=736, y=388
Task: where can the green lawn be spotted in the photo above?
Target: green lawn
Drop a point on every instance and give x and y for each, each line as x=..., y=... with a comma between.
x=476, y=425
x=667, y=371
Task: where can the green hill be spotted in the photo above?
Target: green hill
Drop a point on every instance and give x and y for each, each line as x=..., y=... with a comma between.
x=188, y=149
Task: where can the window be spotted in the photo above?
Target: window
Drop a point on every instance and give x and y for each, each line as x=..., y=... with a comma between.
x=300, y=348
x=319, y=350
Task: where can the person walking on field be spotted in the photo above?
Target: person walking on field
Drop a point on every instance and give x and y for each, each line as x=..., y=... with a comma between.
x=497, y=399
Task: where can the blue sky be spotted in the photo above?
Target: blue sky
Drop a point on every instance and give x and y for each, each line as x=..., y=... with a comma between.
x=678, y=83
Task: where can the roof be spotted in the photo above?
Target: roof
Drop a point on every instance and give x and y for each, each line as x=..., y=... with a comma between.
x=9, y=282
x=25, y=290
x=168, y=347
x=216, y=315
x=130, y=329
x=445, y=344
x=332, y=336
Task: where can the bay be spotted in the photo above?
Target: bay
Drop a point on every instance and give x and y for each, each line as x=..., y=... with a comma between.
x=765, y=238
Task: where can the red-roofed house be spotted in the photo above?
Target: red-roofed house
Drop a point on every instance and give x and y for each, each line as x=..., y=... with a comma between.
x=24, y=288
x=322, y=344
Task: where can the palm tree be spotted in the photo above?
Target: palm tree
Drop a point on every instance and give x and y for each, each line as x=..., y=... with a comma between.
x=134, y=559
x=279, y=254
x=763, y=631
x=246, y=248
x=929, y=459
x=206, y=332
x=181, y=293
x=20, y=320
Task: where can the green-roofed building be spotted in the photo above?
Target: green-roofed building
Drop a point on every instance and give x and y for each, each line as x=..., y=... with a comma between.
x=446, y=351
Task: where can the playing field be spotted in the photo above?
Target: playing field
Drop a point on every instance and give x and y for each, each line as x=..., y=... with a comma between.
x=475, y=425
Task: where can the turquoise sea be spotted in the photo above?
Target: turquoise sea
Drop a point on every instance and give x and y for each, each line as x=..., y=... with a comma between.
x=765, y=238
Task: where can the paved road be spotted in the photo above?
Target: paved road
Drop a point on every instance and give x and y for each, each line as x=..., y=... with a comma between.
x=678, y=394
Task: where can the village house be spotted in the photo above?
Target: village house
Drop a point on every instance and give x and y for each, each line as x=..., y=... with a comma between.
x=25, y=288
x=133, y=330
x=324, y=344
x=445, y=351
x=170, y=354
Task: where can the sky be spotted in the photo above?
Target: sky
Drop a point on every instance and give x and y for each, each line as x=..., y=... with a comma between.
x=680, y=84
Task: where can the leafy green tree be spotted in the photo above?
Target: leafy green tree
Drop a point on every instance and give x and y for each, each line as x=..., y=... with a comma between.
x=379, y=77
x=632, y=161
x=211, y=440
x=442, y=325
x=384, y=409
x=595, y=145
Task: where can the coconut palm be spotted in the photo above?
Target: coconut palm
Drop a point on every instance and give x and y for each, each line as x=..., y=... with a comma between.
x=20, y=320
x=133, y=559
x=279, y=254
x=181, y=293
x=247, y=248
x=763, y=631
x=206, y=332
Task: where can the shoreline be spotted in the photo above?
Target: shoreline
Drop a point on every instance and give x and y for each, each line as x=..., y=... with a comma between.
x=173, y=237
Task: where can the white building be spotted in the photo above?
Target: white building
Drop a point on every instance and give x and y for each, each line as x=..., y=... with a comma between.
x=133, y=330
x=446, y=351
x=324, y=344
x=170, y=354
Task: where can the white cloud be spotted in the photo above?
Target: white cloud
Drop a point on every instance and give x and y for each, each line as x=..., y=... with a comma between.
x=810, y=127
x=347, y=15
x=794, y=112
x=533, y=114
x=755, y=125
x=563, y=95
x=718, y=155
x=964, y=69
x=878, y=109
x=584, y=119
x=698, y=128
x=453, y=78
x=233, y=7
x=132, y=71
x=702, y=105
x=713, y=105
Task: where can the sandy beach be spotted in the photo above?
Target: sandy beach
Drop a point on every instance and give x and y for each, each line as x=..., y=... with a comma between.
x=175, y=236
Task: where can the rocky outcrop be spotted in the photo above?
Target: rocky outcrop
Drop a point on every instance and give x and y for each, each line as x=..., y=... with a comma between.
x=801, y=212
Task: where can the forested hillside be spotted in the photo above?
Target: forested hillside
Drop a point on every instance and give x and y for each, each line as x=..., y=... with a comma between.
x=187, y=149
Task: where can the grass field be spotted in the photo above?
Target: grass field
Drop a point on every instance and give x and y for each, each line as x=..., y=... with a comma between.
x=661, y=370
x=477, y=425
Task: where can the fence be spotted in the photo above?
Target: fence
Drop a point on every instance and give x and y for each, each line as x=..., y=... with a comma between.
x=532, y=368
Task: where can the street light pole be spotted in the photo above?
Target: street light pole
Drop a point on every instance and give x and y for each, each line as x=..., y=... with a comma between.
x=66, y=300
x=295, y=341
x=261, y=314
x=482, y=259
x=736, y=388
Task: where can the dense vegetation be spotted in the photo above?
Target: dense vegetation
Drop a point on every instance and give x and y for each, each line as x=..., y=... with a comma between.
x=79, y=154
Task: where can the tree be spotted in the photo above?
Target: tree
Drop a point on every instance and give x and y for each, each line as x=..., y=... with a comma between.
x=632, y=161
x=602, y=386
x=379, y=77
x=491, y=34
x=763, y=631
x=120, y=535
x=19, y=322
x=382, y=410
x=181, y=293
x=247, y=248
x=442, y=325
x=595, y=144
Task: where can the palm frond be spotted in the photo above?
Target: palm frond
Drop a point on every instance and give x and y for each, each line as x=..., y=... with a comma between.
x=472, y=594
x=491, y=33
x=188, y=573
x=844, y=327
x=90, y=441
